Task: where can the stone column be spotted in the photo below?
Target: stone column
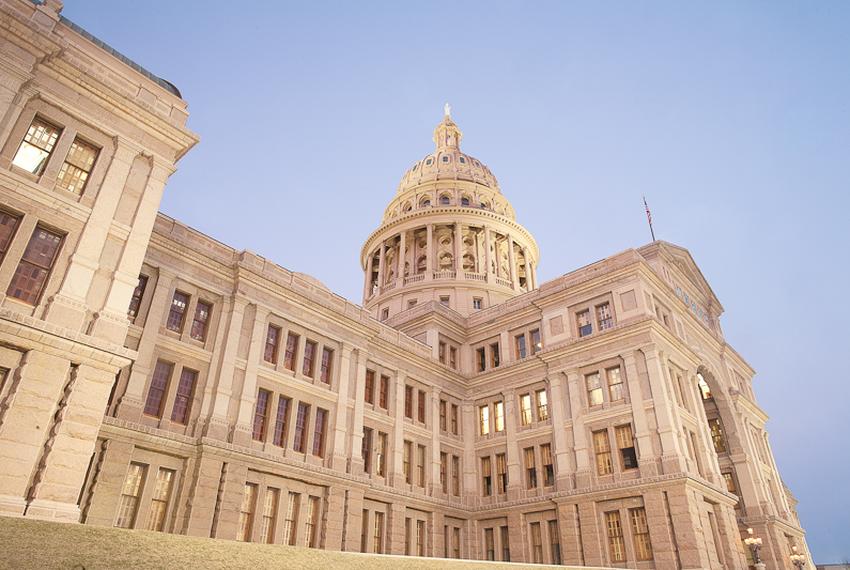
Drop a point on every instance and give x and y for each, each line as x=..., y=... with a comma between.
x=355, y=453
x=398, y=433
x=367, y=282
x=580, y=445
x=512, y=263
x=339, y=456
x=488, y=261
x=560, y=448
x=512, y=456
x=527, y=259
x=402, y=247
x=436, y=484
x=245, y=418
x=429, y=254
x=458, y=249
x=672, y=455
x=218, y=426
x=382, y=260
x=646, y=455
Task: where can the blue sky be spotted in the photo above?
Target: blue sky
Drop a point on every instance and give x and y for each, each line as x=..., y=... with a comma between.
x=733, y=118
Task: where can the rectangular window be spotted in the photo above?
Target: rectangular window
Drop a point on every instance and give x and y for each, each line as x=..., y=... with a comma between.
x=308, y=365
x=453, y=357
x=130, y=493
x=369, y=390
x=626, y=443
x=408, y=402
x=548, y=464
x=300, y=443
x=615, y=384
x=37, y=145
x=381, y=455
x=177, y=312
x=616, y=544
x=455, y=542
x=183, y=398
x=603, y=316
x=501, y=474
x=290, y=524
x=499, y=416
x=441, y=351
x=291, y=351
x=530, y=468
x=477, y=303
x=443, y=406
x=77, y=166
x=135, y=300
x=481, y=359
x=420, y=465
x=455, y=475
x=489, y=544
x=730, y=482
x=8, y=229
x=640, y=531
x=159, y=386
x=327, y=364
x=525, y=413
x=585, y=327
x=420, y=538
x=200, y=321
x=542, y=405
x=405, y=462
x=484, y=419
x=555, y=542
x=444, y=476
x=4, y=374
x=494, y=355
x=444, y=300
x=454, y=418
x=717, y=437
x=602, y=449
x=312, y=523
x=486, y=477
x=378, y=538
x=366, y=450
x=504, y=536
x=364, y=530
x=246, y=513
x=535, y=341
x=160, y=498
x=272, y=343
x=536, y=543
x=281, y=419
x=594, y=389
x=420, y=406
x=34, y=268
x=519, y=346
x=384, y=394
x=269, y=515
x=407, y=522
x=261, y=412
x=319, y=432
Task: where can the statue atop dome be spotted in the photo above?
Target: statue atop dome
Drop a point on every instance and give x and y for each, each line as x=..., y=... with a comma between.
x=447, y=110
x=447, y=135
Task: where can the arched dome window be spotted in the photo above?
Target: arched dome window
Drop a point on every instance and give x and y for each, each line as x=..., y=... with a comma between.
x=407, y=207
x=445, y=158
x=429, y=162
x=462, y=160
x=425, y=203
x=485, y=206
x=464, y=201
x=445, y=200
x=468, y=262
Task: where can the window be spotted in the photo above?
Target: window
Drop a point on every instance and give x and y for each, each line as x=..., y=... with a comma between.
x=548, y=465
x=444, y=199
x=455, y=475
x=594, y=389
x=183, y=398
x=602, y=448
x=525, y=416
x=269, y=515
x=506, y=544
x=326, y=366
x=455, y=542
x=442, y=352
x=8, y=228
x=730, y=482
x=501, y=474
x=364, y=530
x=281, y=419
x=444, y=300
x=383, y=396
x=407, y=522
x=486, y=477
x=36, y=147
x=272, y=342
x=261, y=411
x=454, y=418
x=405, y=461
x=177, y=311
x=369, y=391
x=312, y=523
x=420, y=538
x=554, y=542
x=615, y=384
x=484, y=419
x=77, y=166
x=717, y=437
x=477, y=303
x=366, y=450
x=300, y=442
x=542, y=405
x=603, y=316
x=290, y=523
x=319, y=432
x=704, y=390
x=291, y=351
x=378, y=537
x=385, y=313
x=536, y=344
x=307, y=366
x=408, y=402
x=519, y=346
x=626, y=443
x=381, y=455
x=160, y=498
x=135, y=300
x=443, y=406
x=585, y=327
x=616, y=544
x=536, y=543
x=444, y=467
x=499, y=416
x=453, y=357
x=130, y=492
x=481, y=359
x=420, y=465
x=489, y=544
x=35, y=265
x=420, y=406
x=246, y=513
x=4, y=374
x=464, y=201
x=159, y=385
x=494, y=355
x=530, y=468
x=640, y=531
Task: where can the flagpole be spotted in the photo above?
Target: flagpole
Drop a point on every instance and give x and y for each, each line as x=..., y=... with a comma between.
x=649, y=218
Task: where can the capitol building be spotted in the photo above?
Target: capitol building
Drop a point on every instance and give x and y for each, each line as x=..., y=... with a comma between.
x=154, y=378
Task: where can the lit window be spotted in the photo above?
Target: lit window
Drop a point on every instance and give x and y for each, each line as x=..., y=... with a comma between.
x=77, y=166
x=542, y=405
x=381, y=455
x=530, y=468
x=499, y=416
x=36, y=147
x=626, y=444
x=201, y=320
x=501, y=474
x=602, y=449
x=717, y=436
x=261, y=411
x=616, y=544
x=730, y=482
x=536, y=543
x=135, y=300
x=158, y=387
x=536, y=344
x=548, y=464
x=130, y=492
x=640, y=530
x=585, y=327
x=615, y=384
x=269, y=515
x=312, y=523
x=177, y=311
x=378, y=538
x=290, y=523
x=159, y=501
x=603, y=316
x=486, y=477
x=384, y=394
x=519, y=346
x=704, y=390
x=35, y=265
x=526, y=416
x=594, y=389
x=484, y=419
x=183, y=398
x=272, y=341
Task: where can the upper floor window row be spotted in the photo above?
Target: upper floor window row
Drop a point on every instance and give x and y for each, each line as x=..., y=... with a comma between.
x=177, y=312
x=312, y=358
x=599, y=315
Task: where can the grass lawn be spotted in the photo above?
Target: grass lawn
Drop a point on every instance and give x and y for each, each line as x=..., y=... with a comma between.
x=28, y=544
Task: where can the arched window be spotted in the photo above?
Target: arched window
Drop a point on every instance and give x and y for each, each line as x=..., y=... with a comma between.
x=425, y=203
x=407, y=207
x=445, y=200
x=485, y=206
x=462, y=160
x=464, y=201
x=429, y=162
x=445, y=158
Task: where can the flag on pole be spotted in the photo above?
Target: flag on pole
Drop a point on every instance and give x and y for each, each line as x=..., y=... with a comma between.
x=649, y=218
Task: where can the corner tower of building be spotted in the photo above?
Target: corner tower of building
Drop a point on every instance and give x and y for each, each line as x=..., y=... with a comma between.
x=448, y=235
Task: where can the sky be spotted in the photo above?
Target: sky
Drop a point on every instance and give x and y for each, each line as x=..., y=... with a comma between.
x=732, y=118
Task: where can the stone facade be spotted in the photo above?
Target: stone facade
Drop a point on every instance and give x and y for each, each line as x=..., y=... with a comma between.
x=465, y=410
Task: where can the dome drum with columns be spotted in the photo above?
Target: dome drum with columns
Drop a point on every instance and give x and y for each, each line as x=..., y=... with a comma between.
x=449, y=235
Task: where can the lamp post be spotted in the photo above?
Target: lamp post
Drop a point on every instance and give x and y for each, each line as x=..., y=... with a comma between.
x=754, y=544
x=798, y=560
